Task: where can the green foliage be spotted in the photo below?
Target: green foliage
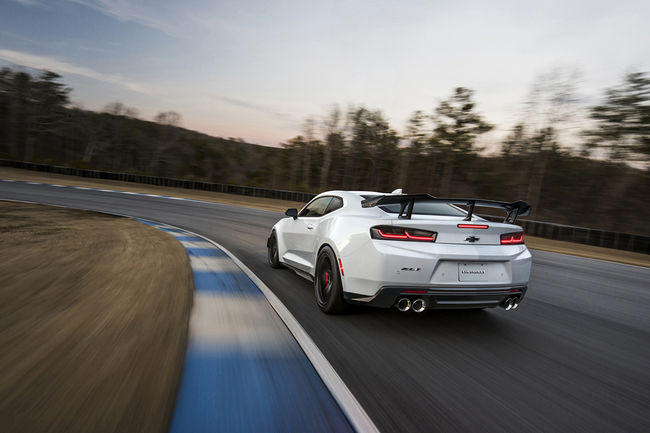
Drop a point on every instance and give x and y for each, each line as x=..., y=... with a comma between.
x=31, y=108
x=370, y=149
x=458, y=124
x=623, y=120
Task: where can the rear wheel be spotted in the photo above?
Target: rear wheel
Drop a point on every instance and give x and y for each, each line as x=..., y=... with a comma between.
x=273, y=255
x=327, y=283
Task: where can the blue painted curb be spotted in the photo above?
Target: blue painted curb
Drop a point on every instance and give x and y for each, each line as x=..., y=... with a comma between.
x=243, y=371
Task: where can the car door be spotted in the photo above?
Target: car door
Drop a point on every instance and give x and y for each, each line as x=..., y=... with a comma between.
x=300, y=234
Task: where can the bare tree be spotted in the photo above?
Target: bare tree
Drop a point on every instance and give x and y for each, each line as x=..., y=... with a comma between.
x=295, y=146
x=551, y=107
x=117, y=108
x=554, y=101
x=170, y=121
x=333, y=143
x=168, y=118
x=416, y=136
x=309, y=128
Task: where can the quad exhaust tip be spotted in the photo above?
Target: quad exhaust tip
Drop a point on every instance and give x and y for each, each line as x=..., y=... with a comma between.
x=419, y=305
x=404, y=304
x=511, y=303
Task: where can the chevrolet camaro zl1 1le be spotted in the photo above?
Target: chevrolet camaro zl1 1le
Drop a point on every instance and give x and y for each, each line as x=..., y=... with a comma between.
x=412, y=251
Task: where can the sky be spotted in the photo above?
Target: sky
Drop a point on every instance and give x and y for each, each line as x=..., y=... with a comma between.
x=257, y=69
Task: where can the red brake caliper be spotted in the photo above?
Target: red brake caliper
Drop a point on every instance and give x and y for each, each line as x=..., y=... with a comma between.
x=327, y=278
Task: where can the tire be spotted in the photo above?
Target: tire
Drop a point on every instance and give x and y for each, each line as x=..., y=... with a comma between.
x=327, y=283
x=273, y=255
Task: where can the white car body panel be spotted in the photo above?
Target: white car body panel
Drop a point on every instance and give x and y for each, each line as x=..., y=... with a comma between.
x=371, y=264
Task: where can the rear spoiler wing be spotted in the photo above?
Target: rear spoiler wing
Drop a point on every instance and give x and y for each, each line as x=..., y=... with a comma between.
x=513, y=209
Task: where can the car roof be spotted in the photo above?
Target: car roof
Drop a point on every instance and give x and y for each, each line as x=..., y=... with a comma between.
x=352, y=199
x=351, y=194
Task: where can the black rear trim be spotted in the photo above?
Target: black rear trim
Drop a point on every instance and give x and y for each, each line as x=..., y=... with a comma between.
x=437, y=298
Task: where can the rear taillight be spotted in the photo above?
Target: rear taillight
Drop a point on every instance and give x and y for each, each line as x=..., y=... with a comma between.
x=473, y=226
x=512, y=238
x=402, y=234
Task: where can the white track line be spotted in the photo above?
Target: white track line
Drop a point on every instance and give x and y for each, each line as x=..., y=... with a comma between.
x=212, y=264
x=221, y=323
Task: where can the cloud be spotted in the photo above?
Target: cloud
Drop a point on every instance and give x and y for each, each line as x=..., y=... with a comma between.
x=256, y=107
x=129, y=11
x=42, y=62
x=28, y=2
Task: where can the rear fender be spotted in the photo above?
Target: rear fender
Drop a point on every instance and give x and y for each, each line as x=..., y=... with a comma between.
x=332, y=245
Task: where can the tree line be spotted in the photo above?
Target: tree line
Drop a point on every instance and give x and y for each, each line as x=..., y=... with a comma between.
x=600, y=183
x=595, y=176
x=39, y=124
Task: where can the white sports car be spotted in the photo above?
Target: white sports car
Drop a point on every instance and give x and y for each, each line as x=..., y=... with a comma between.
x=410, y=251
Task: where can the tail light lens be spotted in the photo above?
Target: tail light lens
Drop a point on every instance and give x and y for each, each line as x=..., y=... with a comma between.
x=473, y=226
x=402, y=234
x=512, y=238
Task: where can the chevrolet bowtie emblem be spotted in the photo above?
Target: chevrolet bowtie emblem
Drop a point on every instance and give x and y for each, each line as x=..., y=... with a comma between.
x=471, y=239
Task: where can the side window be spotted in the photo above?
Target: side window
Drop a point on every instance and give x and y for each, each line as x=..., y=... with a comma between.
x=316, y=208
x=336, y=203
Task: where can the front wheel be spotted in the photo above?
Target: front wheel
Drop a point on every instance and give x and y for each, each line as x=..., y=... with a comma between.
x=327, y=283
x=272, y=247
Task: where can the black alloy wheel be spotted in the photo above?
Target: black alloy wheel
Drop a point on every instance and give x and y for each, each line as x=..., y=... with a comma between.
x=273, y=255
x=327, y=283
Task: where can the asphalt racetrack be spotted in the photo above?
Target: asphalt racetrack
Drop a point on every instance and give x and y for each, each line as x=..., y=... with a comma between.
x=574, y=357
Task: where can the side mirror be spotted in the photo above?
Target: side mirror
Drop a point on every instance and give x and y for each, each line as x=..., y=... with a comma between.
x=292, y=213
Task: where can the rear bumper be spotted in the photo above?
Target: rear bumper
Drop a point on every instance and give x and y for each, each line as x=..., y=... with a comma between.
x=386, y=264
x=440, y=297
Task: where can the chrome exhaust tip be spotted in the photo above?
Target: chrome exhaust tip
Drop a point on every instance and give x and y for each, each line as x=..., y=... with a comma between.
x=515, y=303
x=419, y=305
x=404, y=304
x=508, y=304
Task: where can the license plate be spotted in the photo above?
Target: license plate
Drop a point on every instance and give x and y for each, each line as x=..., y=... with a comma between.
x=473, y=272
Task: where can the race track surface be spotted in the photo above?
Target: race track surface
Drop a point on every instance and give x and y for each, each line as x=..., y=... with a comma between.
x=575, y=356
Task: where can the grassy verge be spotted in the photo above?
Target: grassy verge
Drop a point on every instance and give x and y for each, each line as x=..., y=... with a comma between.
x=588, y=251
x=281, y=205
x=94, y=316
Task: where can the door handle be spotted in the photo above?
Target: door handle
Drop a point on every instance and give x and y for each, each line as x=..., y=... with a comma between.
x=310, y=227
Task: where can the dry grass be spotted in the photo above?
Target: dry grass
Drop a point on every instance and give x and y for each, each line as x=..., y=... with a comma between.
x=94, y=317
x=588, y=251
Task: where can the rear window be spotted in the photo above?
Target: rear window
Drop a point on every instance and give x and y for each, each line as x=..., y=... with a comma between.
x=426, y=208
